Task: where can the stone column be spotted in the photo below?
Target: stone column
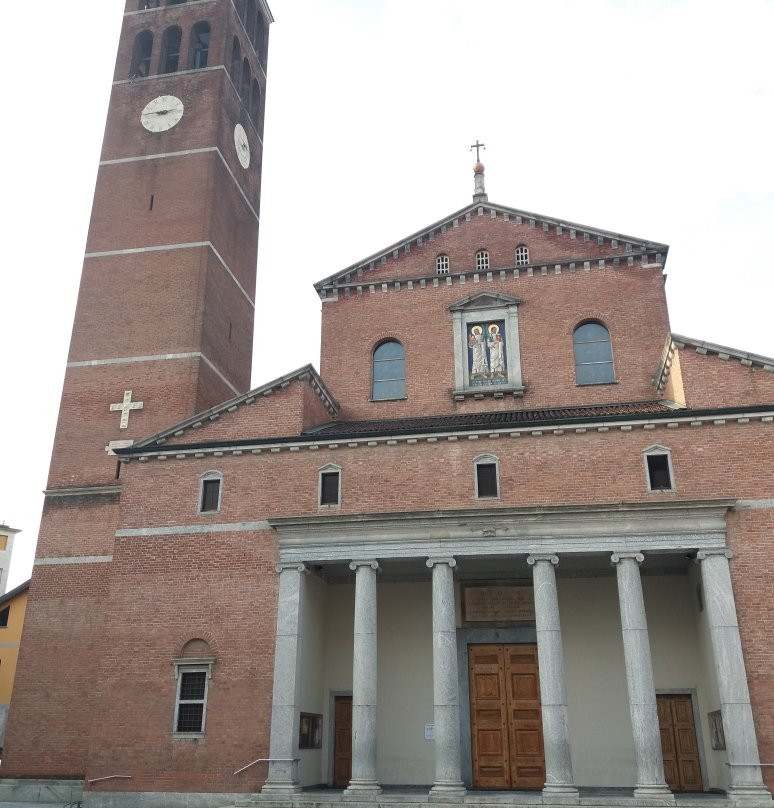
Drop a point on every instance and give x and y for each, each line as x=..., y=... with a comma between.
x=553, y=696
x=446, y=704
x=364, y=682
x=639, y=679
x=746, y=782
x=283, y=740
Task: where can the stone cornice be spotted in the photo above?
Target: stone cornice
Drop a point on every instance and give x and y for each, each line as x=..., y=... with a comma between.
x=646, y=260
x=306, y=373
x=679, y=418
x=84, y=491
x=678, y=342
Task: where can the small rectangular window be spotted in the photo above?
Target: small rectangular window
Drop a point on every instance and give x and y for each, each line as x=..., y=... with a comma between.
x=329, y=488
x=4, y=617
x=486, y=480
x=210, y=496
x=659, y=476
x=191, y=700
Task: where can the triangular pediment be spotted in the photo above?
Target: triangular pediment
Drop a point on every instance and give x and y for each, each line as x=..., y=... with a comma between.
x=375, y=268
x=246, y=415
x=484, y=300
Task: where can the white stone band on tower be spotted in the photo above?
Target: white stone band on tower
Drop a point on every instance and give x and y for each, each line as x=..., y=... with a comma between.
x=448, y=783
x=364, y=681
x=553, y=696
x=639, y=679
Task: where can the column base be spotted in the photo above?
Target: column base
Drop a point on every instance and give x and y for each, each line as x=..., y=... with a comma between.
x=278, y=789
x=655, y=794
x=561, y=794
x=447, y=792
x=749, y=795
x=361, y=789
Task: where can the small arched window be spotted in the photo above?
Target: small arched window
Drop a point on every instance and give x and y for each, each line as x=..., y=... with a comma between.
x=170, y=49
x=144, y=5
x=442, y=265
x=210, y=492
x=482, y=260
x=389, y=371
x=241, y=11
x=255, y=105
x=522, y=255
x=593, y=354
x=236, y=61
x=200, y=45
x=141, y=55
x=247, y=79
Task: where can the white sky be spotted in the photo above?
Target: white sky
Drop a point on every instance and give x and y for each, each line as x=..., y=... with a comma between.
x=649, y=118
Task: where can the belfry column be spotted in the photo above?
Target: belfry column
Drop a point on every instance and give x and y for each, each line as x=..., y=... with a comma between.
x=553, y=696
x=283, y=740
x=446, y=704
x=639, y=679
x=364, y=682
x=746, y=782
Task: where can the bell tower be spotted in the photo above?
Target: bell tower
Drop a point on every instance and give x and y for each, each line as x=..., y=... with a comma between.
x=163, y=326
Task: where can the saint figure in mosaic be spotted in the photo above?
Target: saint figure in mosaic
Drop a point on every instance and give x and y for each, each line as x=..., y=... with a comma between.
x=477, y=345
x=496, y=353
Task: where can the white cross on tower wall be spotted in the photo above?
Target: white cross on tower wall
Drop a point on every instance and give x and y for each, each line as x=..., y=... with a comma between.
x=125, y=407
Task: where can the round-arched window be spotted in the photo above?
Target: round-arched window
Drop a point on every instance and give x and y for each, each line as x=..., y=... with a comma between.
x=593, y=354
x=388, y=371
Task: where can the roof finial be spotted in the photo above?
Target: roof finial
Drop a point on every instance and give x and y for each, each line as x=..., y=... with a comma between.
x=479, y=191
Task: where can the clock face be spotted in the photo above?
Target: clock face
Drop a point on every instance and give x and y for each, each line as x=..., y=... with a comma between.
x=242, y=145
x=162, y=113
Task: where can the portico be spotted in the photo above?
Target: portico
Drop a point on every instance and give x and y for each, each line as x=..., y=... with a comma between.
x=629, y=602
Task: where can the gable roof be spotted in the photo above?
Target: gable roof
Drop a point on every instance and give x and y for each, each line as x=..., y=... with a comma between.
x=638, y=245
x=677, y=341
x=14, y=592
x=307, y=374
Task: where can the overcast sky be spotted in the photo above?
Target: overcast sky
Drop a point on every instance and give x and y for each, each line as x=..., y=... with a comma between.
x=648, y=118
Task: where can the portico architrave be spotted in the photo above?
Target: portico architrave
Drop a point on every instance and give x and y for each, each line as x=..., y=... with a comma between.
x=541, y=534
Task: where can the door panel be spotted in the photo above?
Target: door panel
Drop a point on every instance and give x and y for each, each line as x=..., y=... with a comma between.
x=342, y=741
x=506, y=723
x=678, y=742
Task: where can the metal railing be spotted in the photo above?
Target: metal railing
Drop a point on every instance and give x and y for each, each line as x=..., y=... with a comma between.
x=267, y=760
x=111, y=777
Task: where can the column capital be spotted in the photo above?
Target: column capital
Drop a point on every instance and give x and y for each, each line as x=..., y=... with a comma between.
x=432, y=561
x=283, y=566
x=715, y=551
x=533, y=558
x=624, y=554
x=368, y=562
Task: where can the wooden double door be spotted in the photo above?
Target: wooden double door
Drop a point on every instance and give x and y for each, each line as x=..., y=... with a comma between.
x=505, y=717
x=679, y=747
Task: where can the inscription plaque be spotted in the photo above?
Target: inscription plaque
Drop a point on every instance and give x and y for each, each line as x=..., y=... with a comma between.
x=498, y=604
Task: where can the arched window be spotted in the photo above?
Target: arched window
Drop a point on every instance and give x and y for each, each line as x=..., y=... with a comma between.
x=141, y=55
x=389, y=372
x=522, y=255
x=170, y=49
x=255, y=105
x=486, y=477
x=144, y=5
x=241, y=10
x=482, y=260
x=236, y=61
x=210, y=492
x=593, y=354
x=244, y=90
x=442, y=265
x=250, y=21
x=200, y=45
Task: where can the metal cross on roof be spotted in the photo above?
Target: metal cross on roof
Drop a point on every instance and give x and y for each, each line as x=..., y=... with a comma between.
x=477, y=146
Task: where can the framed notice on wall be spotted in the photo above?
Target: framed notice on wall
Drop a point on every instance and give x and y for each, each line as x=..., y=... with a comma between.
x=497, y=604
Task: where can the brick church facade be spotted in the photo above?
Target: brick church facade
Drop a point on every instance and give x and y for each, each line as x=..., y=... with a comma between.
x=513, y=537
